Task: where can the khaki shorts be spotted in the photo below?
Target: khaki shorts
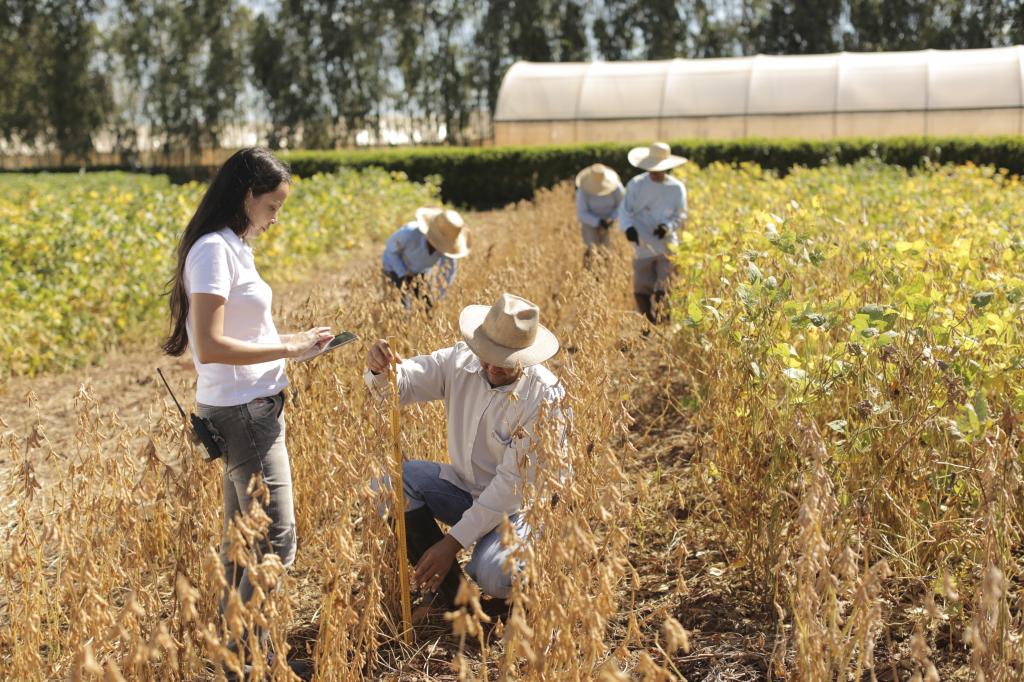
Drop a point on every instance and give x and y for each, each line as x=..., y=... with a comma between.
x=595, y=236
x=652, y=275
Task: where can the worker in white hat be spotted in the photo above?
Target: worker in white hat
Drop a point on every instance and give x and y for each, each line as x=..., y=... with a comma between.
x=421, y=254
x=599, y=194
x=653, y=210
x=500, y=402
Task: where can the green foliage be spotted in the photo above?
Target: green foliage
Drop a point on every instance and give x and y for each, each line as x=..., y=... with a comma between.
x=485, y=177
x=881, y=306
x=52, y=91
x=326, y=72
x=319, y=66
x=655, y=27
x=84, y=259
x=183, y=67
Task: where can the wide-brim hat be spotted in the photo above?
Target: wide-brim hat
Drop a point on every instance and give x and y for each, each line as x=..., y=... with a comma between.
x=657, y=157
x=598, y=180
x=445, y=230
x=508, y=333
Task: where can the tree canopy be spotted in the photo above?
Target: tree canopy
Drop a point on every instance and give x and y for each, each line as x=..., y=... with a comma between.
x=319, y=73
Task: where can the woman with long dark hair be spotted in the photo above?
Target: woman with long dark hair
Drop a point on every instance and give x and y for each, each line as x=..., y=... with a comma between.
x=221, y=310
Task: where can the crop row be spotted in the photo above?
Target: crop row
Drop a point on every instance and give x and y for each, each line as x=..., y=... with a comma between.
x=852, y=336
x=84, y=259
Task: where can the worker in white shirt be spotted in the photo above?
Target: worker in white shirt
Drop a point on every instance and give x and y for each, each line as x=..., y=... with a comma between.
x=499, y=399
x=654, y=209
x=599, y=193
x=422, y=253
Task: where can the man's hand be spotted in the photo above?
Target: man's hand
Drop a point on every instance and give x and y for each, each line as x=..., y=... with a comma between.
x=380, y=356
x=435, y=563
x=632, y=236
x=605, y=223
x=660, y=231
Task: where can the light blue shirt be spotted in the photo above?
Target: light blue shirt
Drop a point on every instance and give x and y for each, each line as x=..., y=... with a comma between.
x=649, y=204
x=592, y=209
x=407, y=252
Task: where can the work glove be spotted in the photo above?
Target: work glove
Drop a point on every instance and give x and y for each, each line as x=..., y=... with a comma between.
x=660, y=231
x=632, y=236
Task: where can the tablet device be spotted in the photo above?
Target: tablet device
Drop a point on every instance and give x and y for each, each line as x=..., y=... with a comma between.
x=340, y=340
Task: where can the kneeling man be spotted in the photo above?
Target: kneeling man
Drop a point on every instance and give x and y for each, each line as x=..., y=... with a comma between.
x=420, y=256
x=498, y=398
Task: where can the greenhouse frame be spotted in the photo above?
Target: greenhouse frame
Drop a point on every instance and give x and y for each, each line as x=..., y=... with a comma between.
x=880, y=94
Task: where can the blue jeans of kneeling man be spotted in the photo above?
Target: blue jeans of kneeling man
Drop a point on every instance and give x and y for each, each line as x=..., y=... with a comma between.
x=423, y=486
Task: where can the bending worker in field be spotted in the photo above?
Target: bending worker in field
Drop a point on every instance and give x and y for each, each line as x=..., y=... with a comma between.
x=421, y=254
x=654, y=208
x=599, y=194
x=499, y=400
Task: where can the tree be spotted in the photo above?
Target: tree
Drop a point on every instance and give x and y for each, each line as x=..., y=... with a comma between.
x=792, y=27
x=878, y=25
x=660, y=27
x=614, y=30
x=645, y=29
x=223, y=72
x=510, y=31
x=77, y=95
x=572, y=45
x=186, y=61
x=280, y=51
x=22, y=115
x=981, y=23
x=326, y=75
x=353, y=63
x=1015, y=23
x=530, y=27
x=436, y=58
x=714, y=31
x=51, y=90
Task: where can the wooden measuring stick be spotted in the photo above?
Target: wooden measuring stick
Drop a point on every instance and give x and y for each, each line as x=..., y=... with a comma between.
x=403, y=554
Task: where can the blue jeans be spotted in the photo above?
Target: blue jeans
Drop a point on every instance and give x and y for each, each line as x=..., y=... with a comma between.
x=424, y=487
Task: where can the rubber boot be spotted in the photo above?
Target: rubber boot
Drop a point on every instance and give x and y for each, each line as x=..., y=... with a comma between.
x=422, y=533
x=300, y=667
x=643, y=304
x=659, y=307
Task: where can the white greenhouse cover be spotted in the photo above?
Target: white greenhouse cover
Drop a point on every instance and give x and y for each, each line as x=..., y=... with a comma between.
x=928, y=80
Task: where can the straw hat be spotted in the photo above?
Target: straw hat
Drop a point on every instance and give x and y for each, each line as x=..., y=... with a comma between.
x=657, y=157
x=445, y=231
x=598, y=180
x=508, y=333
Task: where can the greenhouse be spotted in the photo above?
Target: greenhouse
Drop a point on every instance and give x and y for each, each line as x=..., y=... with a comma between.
x=928, y=92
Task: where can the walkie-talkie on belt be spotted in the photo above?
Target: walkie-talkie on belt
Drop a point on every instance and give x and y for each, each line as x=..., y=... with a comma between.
x=203, y=429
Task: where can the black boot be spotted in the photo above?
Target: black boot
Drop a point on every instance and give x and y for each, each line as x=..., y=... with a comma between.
x=422, y=533
x=659, y=307
x=644, y=306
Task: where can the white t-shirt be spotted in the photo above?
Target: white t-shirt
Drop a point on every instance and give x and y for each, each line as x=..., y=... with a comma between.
x=221, y=263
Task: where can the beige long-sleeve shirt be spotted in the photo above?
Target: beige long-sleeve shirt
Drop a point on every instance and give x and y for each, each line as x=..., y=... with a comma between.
x=492, y=432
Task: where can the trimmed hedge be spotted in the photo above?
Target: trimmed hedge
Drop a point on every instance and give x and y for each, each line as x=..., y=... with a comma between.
x=486, y=177
x=178, y=175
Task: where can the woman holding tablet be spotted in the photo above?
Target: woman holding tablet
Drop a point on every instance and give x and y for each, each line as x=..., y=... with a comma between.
x=221, y=309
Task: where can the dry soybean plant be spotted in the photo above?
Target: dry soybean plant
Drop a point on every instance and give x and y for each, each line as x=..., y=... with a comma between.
x=114, y=572
x=862, y=439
